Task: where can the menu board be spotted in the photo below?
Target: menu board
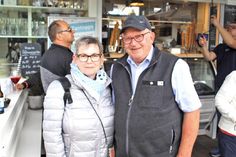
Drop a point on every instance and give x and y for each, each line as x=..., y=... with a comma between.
x=229, y=14
x=30, y=58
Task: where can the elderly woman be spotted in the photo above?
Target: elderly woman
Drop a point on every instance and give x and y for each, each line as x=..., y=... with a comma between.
x=84, y=127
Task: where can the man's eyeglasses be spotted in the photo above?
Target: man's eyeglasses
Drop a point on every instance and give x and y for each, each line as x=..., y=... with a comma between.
x=66, y=30
x=93, y=57
x=138, y=38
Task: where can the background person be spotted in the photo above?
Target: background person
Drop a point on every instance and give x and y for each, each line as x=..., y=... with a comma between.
x=226, y=104
x=225, y=56
x=56, y=60
x=228, y=34
x=154, y=97
x=85, y=127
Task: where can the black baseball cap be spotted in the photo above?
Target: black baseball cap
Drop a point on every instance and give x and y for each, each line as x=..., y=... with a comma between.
x=137, y=22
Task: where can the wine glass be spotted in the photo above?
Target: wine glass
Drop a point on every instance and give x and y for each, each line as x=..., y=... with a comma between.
x=15, y=76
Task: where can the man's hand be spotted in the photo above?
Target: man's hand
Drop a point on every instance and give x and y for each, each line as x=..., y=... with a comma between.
x=214, y=21
x=19, y=86
x=202, y=41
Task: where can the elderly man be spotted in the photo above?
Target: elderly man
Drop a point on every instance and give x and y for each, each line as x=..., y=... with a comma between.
x=156, y=105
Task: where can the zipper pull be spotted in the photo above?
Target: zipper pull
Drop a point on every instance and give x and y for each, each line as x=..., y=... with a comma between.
x=131, y=100
x=171, y=148
x=172, y=141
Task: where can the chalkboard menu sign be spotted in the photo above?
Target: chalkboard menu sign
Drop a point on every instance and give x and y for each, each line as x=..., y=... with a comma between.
x=230, y=14
x=30, y=58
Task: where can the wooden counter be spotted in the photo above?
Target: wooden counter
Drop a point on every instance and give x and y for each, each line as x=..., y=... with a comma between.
x=115, y=55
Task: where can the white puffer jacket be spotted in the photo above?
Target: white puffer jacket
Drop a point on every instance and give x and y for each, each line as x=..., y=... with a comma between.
x=82, y=134
x=226, y=104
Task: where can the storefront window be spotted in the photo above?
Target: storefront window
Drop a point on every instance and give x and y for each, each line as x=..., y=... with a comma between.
x=203, y=75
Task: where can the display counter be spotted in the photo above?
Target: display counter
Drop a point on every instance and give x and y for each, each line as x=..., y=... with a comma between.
x=21, y=128
x=12, y=121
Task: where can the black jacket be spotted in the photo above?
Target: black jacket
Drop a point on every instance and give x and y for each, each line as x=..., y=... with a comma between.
x=55, y=63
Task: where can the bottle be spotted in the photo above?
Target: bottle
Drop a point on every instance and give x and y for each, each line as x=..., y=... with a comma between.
x=1, y=102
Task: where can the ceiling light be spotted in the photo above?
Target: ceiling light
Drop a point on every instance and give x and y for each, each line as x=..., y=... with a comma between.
x=136, y=3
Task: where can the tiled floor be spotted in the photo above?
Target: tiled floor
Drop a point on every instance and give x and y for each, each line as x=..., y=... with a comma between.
x=203, y=146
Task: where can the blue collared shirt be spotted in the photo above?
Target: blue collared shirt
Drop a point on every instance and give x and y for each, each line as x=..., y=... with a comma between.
x=136, y=70
x=181, y=81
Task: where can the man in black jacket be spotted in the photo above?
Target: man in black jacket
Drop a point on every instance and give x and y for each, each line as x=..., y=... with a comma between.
x=56, y=60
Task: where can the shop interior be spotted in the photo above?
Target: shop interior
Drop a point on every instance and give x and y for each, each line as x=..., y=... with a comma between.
x=176, y=23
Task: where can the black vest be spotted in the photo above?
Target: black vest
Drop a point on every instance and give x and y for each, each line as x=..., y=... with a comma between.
x=150, y=124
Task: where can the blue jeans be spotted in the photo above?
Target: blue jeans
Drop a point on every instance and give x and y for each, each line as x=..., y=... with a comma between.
x=227, y=145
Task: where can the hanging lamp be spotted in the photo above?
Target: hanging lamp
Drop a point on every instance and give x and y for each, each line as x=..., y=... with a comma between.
x=136, y=3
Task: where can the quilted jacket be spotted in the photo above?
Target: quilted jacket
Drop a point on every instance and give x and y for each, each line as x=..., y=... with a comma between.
x=226, y=104
x=75, y=130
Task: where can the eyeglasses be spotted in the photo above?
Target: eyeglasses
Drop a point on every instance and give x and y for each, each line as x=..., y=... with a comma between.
x=66, y=30
x=137, y=38
x=93, y=57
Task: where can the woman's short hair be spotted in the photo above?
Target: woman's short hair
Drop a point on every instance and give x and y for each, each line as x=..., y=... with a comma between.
x=86, y=40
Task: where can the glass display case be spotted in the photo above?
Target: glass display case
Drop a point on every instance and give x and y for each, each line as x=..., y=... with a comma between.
x=26, y=21
x=203, y=74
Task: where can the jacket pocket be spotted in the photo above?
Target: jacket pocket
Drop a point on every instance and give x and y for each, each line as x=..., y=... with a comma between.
x=172, y=140
x=157, y=141
x=152, y=92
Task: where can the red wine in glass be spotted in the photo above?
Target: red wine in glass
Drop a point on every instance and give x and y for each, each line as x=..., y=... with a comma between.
x=15, y=79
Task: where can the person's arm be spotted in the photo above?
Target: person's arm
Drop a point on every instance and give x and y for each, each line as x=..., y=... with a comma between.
x=189, y=133
x=52, y=120
x=226, y=97
x=188, y=101
x=34, y=79
x=210, y=56
x=227, y=37
x=23, y=85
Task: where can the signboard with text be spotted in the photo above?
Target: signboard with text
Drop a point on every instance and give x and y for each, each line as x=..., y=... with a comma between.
x=30, y=58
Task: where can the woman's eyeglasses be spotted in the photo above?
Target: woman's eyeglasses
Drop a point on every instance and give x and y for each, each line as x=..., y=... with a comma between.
x=93, y=57
x=137, y=38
